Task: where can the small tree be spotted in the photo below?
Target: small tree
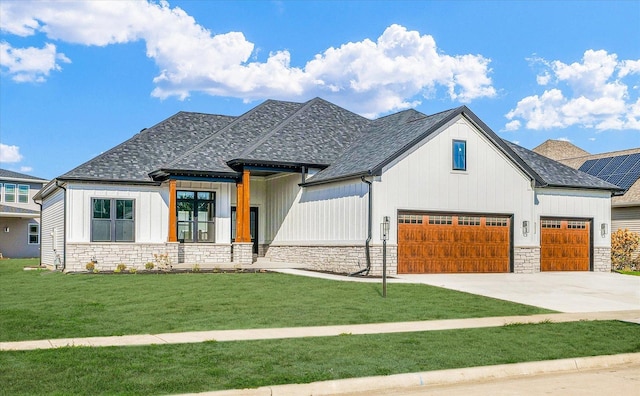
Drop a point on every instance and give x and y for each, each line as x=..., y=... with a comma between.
x=624, y=244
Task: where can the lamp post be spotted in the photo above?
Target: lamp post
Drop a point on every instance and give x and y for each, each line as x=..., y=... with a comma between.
x=384, y=235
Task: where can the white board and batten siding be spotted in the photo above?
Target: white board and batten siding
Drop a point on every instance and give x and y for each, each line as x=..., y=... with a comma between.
x=423, y=180
x=579, y=204
x=52, y=229
x=327, y=214
x=151, y=210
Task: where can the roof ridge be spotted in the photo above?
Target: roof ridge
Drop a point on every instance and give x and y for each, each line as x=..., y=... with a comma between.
x=607, y=154
x=279, y=127
x=218, y=132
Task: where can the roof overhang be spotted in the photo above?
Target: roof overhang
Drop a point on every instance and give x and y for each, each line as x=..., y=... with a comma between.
x=265, y=167
x=161, y=175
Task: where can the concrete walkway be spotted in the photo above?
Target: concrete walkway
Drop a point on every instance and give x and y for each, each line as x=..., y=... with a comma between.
x=316, y=331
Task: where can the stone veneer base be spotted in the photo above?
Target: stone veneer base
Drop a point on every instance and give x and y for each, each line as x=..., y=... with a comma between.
x=526, y=260
x=107, y=256
x=339, y=259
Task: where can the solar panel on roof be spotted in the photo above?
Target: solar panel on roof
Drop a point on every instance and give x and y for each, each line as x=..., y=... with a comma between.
x=613, y=165
x=621, y=170
x=594, y=166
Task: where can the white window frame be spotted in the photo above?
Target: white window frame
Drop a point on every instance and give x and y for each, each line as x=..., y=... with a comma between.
x=19, y=195
x=4, y=194
x=30, y=234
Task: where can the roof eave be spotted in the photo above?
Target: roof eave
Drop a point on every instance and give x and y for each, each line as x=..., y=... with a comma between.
x=350, y=176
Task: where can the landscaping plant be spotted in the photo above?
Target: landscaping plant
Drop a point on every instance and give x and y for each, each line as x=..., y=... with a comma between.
x=624, y=246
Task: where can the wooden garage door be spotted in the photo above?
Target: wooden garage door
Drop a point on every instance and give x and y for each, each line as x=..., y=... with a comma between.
x=452, y=243
x=564, y=245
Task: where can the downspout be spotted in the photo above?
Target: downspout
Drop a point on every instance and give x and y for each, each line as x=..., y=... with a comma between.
x=40, y=231
x=369, y=228
x=64, y=227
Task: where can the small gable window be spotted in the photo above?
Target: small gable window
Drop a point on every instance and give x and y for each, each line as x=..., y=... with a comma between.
x=459, y=155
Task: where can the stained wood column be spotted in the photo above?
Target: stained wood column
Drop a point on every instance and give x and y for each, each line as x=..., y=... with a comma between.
x=243, y=197
x=173, y=213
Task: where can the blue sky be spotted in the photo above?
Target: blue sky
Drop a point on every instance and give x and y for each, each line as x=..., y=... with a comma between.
x=78, y=78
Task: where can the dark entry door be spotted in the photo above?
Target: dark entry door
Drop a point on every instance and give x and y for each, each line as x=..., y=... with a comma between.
x=253, y=220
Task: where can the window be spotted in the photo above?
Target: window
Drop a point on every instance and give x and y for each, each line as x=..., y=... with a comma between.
x=459, y=155
x=196, y=216
x=112, y=220
x=577, y=225
x=440, y=219
x=547, y=223
x=496, y=222
x=409, y=219
x=469, y=220
x=34, y=234
x=23, y=194
x=9, y=193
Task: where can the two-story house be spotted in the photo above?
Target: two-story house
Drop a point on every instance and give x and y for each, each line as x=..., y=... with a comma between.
x=19, y=215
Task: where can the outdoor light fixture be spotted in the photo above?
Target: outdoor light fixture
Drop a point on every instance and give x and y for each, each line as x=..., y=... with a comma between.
x=6, y=229
x=604, y=229
x=384, y=235
x=525, y=227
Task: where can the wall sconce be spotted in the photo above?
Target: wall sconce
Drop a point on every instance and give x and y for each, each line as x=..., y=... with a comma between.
x=604, y=229
x=6, y=229
x=525, y=227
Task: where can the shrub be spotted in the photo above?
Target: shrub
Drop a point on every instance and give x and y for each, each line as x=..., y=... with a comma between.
x=149, y=266
x=624, y=244
x=121, y=267
x=132, y=270
x=195, y=268
x=90, y=266
x=164, y=261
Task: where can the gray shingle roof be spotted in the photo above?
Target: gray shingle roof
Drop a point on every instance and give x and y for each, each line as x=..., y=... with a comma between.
x=16, y=210
x=5, y=173
x=385, y=140
x=150, y=149
x=555, y=174
x=313, y=133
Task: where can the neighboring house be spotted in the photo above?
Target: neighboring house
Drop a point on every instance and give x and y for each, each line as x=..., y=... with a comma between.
x=621, y=168
x=312, y=182
x=19, y=215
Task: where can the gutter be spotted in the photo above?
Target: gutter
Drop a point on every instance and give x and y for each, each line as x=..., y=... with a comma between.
x=64, y=227
x=369, y=229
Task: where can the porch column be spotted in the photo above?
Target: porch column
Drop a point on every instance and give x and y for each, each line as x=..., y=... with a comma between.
x=173, y=219
x=243, y=230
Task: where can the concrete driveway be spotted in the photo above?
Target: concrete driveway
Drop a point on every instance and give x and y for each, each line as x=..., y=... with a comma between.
x=559, y=291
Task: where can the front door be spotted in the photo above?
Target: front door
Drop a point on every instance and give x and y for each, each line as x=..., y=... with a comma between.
x=253, y=220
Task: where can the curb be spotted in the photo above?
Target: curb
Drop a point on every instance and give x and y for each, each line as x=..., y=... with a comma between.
x=434, y=378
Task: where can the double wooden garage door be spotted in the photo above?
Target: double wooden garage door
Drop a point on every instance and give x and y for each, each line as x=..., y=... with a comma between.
x=431, y=243
x=444, y=243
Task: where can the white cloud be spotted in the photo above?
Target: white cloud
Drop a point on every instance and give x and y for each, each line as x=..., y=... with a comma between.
x=591, y=94
x=564, y=139
x=30, y=64
x=9, y=153
x=26, y=169
x=379, y=76
x=512, y=125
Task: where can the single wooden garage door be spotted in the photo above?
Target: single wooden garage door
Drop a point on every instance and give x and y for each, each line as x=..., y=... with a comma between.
x=565, y=245
x=432, y=243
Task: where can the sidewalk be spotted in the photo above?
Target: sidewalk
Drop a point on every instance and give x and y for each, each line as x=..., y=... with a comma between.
x=315, y=331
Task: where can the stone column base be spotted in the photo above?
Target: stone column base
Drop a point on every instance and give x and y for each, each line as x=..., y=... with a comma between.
x=242, y=252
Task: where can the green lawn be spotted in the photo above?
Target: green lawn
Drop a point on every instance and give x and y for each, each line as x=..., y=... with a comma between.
x=635, y=273
x=163, y=369
x=43, y=304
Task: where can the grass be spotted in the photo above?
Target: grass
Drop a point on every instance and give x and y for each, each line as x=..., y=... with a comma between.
x=635, y=273
x=43, y=304
x=163, y=369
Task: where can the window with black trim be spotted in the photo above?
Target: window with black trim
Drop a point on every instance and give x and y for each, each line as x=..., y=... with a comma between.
x=196, y=216
x=459, y=155
x=34, y=234
x=112, y=220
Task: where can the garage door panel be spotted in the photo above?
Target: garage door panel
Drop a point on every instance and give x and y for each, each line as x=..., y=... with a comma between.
x=450, y=243
x=565, y=245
